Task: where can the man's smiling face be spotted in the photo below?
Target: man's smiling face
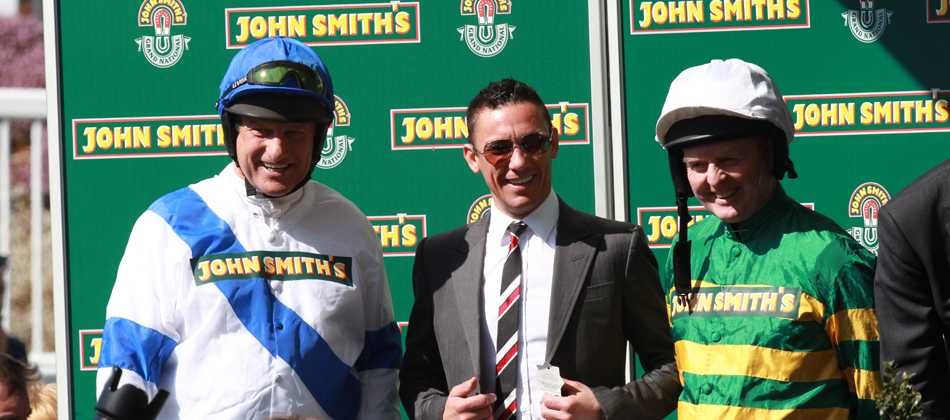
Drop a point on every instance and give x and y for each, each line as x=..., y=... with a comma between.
x=520, y=183
x=731, y=178
x=274, y=156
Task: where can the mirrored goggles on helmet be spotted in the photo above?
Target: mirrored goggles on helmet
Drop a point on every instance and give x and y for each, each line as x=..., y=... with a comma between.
x=275, y=73
x=532, y=144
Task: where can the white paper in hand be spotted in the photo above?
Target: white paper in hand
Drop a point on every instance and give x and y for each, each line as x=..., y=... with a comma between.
x=550, y=379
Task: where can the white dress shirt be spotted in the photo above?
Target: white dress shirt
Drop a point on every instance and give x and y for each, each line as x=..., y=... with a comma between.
x=537, y=250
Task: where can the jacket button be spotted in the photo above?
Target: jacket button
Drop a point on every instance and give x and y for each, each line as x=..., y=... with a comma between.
x=707, y=389
x=736, y=251
x=716, y=337
x=278, y=325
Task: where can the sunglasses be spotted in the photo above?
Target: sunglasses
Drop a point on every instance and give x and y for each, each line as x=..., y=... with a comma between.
x=275, y=73
x=533, y=144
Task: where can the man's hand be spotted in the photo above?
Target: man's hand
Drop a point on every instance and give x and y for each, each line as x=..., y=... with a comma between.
x=578, y=404
x=460, y=407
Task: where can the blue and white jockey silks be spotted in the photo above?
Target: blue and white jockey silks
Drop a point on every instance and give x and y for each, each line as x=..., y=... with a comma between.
x=251, y=308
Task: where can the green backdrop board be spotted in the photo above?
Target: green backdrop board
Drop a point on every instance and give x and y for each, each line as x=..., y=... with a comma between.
x=866, y=82
x=136, y=117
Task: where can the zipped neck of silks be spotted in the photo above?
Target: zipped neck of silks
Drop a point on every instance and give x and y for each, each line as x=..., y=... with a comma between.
x=267, y=209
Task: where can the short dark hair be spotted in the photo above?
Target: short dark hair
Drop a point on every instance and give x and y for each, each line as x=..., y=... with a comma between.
x=15, y=374
x=499, y=94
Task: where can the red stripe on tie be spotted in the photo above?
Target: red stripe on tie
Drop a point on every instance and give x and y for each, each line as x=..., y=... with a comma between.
x=513, y=297
x=505, y=360
x=513, y=244
x=507, y=414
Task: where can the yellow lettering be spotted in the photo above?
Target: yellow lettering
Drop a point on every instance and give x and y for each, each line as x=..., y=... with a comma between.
x=365, y=20
x=794, y=10
x=719, y=303
x=251, y=265
x=269, y=267
x=245, y=33
x=734, y=10
x=205, y=272
x=143, y=137
x=424, y=128
x=308, y=264
x=258, y=27
x=323, y=267
x=389, y=236
x=90, y=133
x=788, y=302
x=867, y=113
x=882, y=113
x=943, y=113
x=219, y=268
x=276, y=26
x=297, y=26
x=768, y=301
x=96, y=345
x=104, y=138
x=340, y=270
x=776, y=10
x=181, y=134
x=320, y=25
x=383, y=23
x=234, y=266
x=338, y=24
x=285, y=265
x=402, y=23
x=646, y=9
x=410, y=124
x=654, y=224
x=715, y=11
x=409, y=237
x=442, y=126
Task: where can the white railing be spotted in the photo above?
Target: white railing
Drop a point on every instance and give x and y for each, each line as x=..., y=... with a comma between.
x=26, y=103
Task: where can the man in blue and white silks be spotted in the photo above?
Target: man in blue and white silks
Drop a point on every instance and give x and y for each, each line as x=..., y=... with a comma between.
x=258, y=293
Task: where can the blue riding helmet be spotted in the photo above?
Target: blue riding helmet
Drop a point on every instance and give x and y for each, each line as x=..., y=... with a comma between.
x=279, y=79
x=236, y=85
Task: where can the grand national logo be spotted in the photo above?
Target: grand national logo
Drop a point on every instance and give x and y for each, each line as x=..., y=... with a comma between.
x=486, y=39
x=868, y=23
x=479, y=209
x=866, y=201
x=164, y=49
x=337, y=144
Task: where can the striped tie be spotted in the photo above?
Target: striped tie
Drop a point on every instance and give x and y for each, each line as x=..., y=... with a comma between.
x=509, y=316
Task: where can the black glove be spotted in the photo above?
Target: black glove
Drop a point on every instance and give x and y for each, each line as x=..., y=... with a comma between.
x=128, y=402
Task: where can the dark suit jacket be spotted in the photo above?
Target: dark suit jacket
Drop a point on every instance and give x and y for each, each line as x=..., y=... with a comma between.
x=606, y=292
x=912, y=286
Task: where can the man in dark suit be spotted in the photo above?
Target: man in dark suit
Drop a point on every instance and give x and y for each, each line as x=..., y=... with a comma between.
x=585, y=287
x=912, y=289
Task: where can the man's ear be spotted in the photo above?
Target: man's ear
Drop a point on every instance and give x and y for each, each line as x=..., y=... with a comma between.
x=553, y=143
x=468, y=151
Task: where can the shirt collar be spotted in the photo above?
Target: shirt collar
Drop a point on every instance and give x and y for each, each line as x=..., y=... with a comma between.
x=541, y=221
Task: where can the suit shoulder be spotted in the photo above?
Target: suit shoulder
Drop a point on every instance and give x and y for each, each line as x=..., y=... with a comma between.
x=602, y=225
x=923, y=195
x=448, y=237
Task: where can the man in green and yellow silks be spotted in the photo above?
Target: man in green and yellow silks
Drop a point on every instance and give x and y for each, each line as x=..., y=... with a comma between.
x=771, y=304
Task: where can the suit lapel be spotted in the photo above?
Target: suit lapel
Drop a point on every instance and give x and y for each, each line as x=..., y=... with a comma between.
x=468, y=289
x=574, y=252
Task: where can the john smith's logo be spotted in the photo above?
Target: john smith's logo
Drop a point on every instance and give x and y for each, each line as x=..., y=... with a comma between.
x=164, y=49
x=867, y=24
x=479, y=209
x=866, y=201
x=337, y=144
x=486, y=39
